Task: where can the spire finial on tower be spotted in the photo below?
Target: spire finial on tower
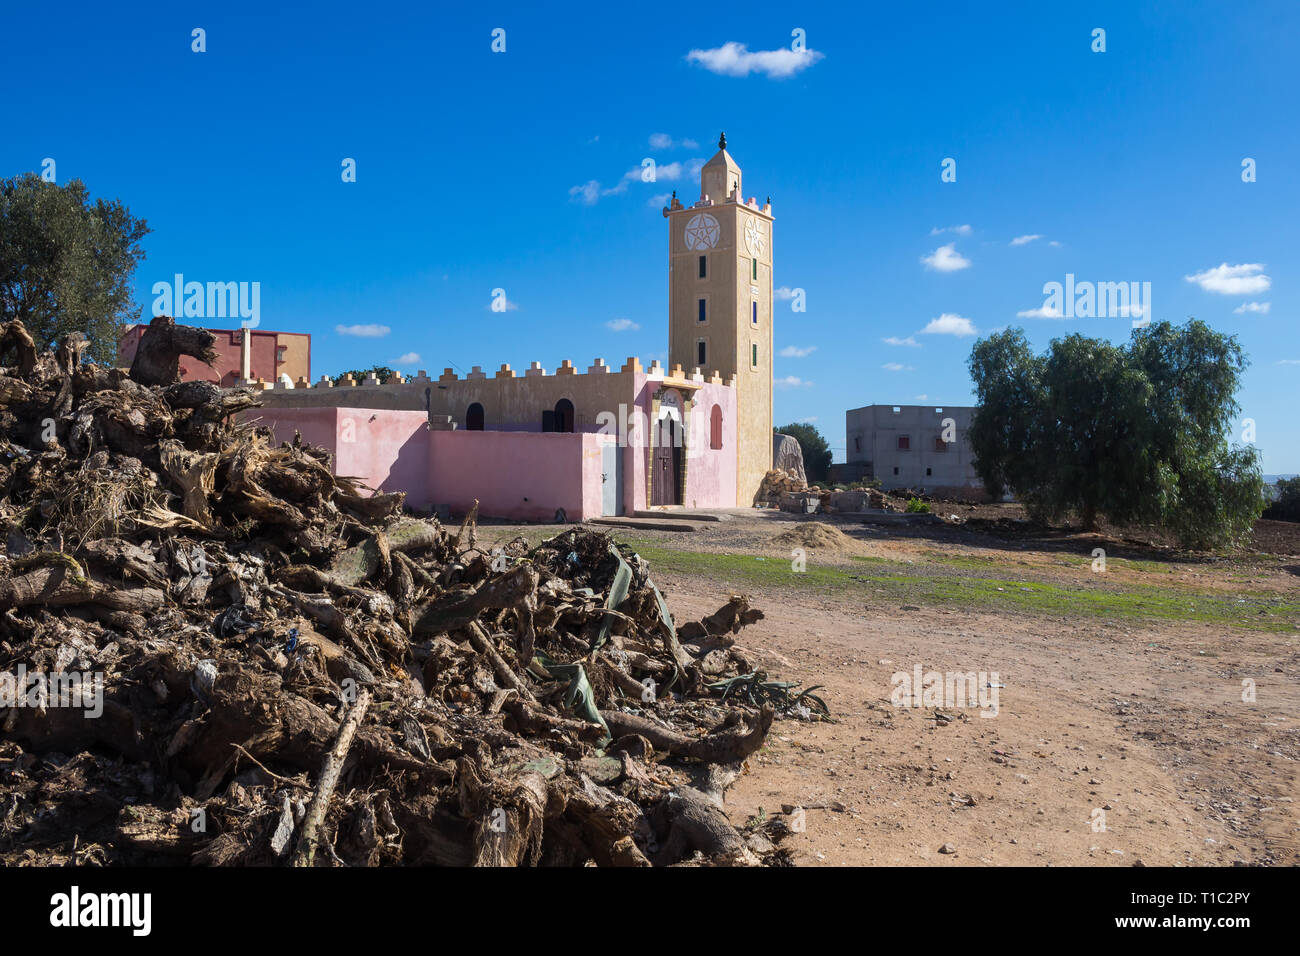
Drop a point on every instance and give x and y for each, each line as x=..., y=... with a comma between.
x=722, y=141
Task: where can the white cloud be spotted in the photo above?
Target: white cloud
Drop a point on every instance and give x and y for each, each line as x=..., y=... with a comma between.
x=735, y=59
x=363, y=331
x=957, y=230
x=1289, y=362
x=783, y=294
x=794, y=351
x=1025, y=240
x=949, y=324
x=1244, y=279
x=588, y=193
x=410, y=358
x=1042, y=312
x=895, y=340
x=921, y=398
x=809, y=420
x=895, y=367
x=664, y=141
x=791, y=381
x=946, y=259
x=622, y=325
x=591, y=192
x=670, y=171
x=1259, y=307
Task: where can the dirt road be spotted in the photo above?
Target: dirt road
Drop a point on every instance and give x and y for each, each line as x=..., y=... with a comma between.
x=1121, y=736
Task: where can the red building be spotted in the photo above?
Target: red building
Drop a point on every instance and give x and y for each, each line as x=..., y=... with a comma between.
x=269, y=356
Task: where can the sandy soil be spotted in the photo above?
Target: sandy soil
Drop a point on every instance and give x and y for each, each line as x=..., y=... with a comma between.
x=1139, y=725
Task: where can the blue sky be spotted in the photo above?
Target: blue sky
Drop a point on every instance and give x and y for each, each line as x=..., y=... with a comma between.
x=474, y=172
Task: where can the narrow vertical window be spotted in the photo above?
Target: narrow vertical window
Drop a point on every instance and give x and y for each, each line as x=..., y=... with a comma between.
x=703, y=314
x=753, y=263
x=704, y=269
x=701, y=354
x=753, y=314
x=753, y=356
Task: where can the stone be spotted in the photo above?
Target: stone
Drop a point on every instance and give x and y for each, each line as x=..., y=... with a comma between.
x=787, y=456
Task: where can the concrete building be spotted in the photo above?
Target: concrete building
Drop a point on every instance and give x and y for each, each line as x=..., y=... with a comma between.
x=911, y=446
x=242, y=355
x=604, y=442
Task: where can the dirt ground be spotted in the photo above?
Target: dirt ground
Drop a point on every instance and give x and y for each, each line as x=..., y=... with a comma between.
x=1124, y=733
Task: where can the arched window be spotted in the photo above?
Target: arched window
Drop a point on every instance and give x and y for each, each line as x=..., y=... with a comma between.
x=564, y=415
x=474, y=418
x=715, y=427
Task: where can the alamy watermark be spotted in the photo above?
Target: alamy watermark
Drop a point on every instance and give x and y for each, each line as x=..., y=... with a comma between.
x=1096, y=300
x=952, y=690
x=41, y=690
x=212, y=300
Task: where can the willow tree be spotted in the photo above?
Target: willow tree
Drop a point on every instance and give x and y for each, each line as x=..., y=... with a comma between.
x=1138, y=434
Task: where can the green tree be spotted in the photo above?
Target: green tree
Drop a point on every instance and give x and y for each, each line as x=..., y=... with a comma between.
x=816, y=453
x=1135, y=433
x=1286, y=500
x=66, y=263
x=381, y=372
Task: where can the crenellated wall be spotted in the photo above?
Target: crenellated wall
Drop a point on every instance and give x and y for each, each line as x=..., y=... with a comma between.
x=382, y=434
x=511, y=401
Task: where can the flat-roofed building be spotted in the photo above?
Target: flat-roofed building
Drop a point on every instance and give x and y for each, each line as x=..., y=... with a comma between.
x=243, y=355
x=922, y=447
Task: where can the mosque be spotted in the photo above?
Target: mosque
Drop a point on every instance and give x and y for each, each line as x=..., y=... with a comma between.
x=570, y=444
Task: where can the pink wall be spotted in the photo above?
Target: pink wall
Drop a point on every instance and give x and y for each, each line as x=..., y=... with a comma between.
x=523, y=475
x=319, y=426
x=710, y=474
x=520, y=475
x=387, y=449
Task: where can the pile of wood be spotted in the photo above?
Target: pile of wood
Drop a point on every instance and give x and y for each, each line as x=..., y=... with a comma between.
x=215, y=651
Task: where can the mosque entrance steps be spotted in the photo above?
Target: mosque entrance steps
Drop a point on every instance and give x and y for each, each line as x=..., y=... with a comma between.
x=668, y=518
x=680, y=514
x=657, y=523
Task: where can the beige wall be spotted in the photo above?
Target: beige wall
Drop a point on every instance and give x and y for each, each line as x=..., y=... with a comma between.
x=510, y=399
x=297, y=355
x=730, y=290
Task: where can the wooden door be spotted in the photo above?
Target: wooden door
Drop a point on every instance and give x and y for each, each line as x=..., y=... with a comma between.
x=667, y=464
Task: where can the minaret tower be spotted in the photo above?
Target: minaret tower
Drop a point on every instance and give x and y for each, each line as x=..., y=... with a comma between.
x=720, y=303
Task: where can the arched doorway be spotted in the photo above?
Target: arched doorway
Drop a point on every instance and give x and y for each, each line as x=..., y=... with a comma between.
x=564, y=415
x=474, y=418
x=666, y=468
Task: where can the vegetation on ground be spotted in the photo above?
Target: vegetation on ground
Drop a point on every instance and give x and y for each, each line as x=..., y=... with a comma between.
x=885, y=581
